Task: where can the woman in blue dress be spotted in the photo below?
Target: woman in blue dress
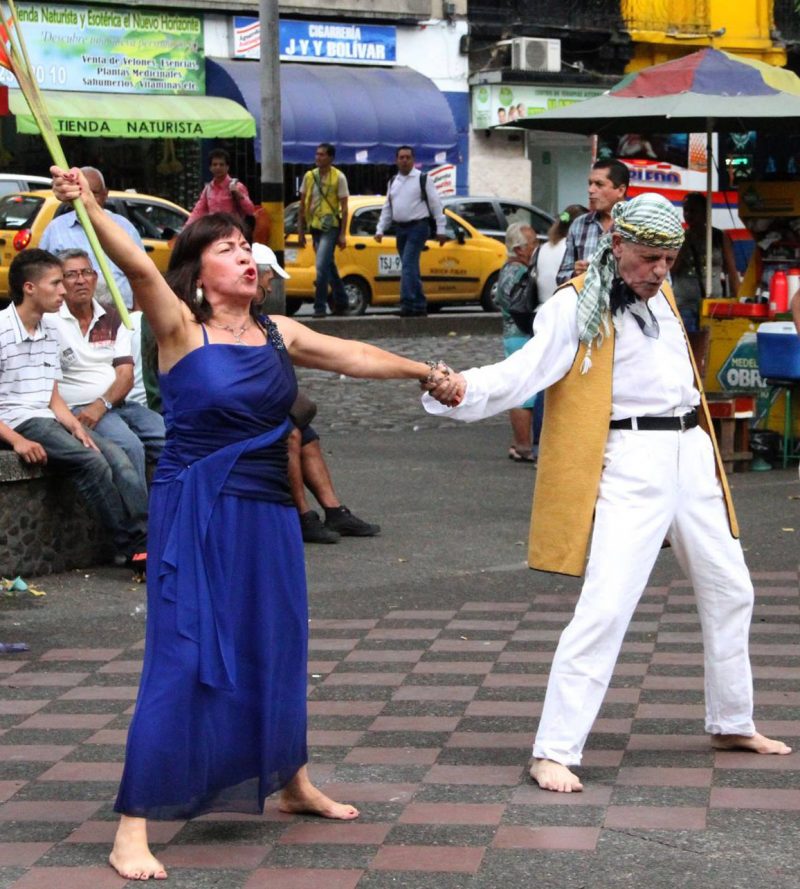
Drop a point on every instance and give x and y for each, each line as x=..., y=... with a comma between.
x=220, y=718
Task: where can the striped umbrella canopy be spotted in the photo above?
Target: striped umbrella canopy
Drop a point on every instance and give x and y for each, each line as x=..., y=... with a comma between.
x=700, y=92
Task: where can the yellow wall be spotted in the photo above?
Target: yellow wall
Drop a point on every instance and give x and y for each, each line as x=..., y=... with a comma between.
x=665, y=29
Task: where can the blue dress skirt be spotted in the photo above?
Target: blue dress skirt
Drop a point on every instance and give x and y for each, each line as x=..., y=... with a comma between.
x=220, y=718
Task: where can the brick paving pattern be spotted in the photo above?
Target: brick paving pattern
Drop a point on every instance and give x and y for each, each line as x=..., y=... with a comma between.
x=422, y=714
x=422, y=718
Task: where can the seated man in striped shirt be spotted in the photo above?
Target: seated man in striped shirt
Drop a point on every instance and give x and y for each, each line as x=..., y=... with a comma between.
x=37, y=424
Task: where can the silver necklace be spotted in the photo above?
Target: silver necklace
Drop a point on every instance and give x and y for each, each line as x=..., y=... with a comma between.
x=236, y=334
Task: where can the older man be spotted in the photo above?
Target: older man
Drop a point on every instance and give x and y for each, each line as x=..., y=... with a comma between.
x=66, y=231
x=520, y=246
x=97, y=367
x=627, y=446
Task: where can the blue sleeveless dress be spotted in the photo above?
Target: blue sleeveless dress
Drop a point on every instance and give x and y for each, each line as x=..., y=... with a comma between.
x=220, y=718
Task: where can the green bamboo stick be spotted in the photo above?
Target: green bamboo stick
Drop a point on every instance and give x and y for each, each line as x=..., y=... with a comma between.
x=30, y=89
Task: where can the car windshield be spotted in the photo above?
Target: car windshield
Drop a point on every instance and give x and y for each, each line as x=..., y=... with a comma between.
x=18, y=211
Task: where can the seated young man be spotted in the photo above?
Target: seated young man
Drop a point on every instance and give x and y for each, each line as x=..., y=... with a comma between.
x=37, y=424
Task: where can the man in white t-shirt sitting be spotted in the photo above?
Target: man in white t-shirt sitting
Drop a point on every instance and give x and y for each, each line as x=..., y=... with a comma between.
x=97, y=367
x=36, y=423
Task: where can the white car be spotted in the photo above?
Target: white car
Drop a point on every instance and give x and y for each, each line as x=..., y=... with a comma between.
x=14, y=182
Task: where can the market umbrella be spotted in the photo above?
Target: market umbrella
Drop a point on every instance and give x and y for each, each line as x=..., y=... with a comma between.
x=699, y=92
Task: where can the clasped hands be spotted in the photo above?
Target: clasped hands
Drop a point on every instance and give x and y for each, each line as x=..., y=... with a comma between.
x=444, y=384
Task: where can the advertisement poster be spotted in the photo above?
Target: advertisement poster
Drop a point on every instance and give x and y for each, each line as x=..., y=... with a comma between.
x=444, y=178
x=319, y=42
x=116, y=50
x=495, y=103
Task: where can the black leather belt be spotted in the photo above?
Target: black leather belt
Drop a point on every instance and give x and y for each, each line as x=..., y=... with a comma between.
x=659, y=424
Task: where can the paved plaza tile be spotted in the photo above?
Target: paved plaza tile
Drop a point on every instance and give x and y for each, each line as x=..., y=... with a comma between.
x=449, y=788
x=424, y=698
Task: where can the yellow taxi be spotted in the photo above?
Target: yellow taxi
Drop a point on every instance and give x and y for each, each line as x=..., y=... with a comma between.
x=25, y=215
x=462, y=270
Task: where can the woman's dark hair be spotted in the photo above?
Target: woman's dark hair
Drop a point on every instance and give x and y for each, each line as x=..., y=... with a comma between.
x=558, y=230
x=184, y=263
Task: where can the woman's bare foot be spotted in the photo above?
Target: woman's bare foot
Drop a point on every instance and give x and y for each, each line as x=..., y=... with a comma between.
x=756, y=743
x=551, y=775
x=301, y=797
x=131, y=857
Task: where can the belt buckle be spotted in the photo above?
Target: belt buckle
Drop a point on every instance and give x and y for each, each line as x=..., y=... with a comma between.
x=684, y=418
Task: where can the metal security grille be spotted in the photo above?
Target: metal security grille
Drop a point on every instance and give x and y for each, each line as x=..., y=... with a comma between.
x=667, y=16
x=787, y=19
x=521, y=17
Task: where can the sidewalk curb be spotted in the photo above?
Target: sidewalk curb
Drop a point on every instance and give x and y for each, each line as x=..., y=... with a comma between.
x=376, y=326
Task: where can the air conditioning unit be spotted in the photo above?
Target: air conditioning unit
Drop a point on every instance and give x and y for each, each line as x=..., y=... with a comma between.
x=535, y=54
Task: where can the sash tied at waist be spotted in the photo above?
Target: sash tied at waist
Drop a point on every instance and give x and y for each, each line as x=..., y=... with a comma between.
x=199, y=616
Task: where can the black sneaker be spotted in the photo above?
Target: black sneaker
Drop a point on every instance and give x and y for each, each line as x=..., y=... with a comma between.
x=341, y=520
x=314, y=531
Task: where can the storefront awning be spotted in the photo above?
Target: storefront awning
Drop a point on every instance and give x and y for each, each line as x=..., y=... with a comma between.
x=134, y=116
x=365, y=112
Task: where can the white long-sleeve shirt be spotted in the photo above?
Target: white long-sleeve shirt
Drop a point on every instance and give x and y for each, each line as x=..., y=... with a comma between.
x=651, y=377
x=404, y=202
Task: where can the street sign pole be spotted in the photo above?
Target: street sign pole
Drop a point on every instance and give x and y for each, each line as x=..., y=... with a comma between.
x=271, y=141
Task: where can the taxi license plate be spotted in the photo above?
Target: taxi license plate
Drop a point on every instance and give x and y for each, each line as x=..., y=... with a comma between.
x=290, y=254
x=388, y=264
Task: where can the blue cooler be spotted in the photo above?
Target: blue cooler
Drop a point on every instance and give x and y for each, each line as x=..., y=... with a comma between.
x=778, y=350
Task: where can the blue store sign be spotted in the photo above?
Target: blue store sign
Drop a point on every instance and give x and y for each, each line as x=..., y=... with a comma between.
x=320, y=42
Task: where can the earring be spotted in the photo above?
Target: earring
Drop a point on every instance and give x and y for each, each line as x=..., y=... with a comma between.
x=198, y=294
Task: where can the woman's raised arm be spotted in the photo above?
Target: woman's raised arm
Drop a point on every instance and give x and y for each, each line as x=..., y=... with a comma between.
x=165, y=312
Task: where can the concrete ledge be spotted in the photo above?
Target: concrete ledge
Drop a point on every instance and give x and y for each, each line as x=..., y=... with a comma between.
x=44, y=526
x=12, y=469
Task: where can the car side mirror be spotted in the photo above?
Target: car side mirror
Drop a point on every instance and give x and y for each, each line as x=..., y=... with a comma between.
x=168, y=233
x=461, y=236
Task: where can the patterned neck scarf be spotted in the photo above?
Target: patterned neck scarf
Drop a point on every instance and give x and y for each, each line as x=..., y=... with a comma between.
x=648, y=219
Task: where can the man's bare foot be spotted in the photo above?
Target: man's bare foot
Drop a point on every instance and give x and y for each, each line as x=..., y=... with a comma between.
x=131, y=857
x=301, y=797
x=551, y=775
x=756, y=743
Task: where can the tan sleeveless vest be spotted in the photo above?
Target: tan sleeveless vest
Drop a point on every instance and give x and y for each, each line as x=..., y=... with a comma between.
x=577, y=413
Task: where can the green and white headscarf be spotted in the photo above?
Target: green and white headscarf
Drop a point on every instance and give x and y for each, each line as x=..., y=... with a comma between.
x=648, y=219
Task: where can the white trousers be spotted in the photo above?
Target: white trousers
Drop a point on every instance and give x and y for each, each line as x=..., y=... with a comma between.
x=654, y=485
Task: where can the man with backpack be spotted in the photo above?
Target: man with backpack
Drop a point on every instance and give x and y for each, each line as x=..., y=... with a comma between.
x=414, y=206
x=323, y=210
x=515, y=296
x=224, y=194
